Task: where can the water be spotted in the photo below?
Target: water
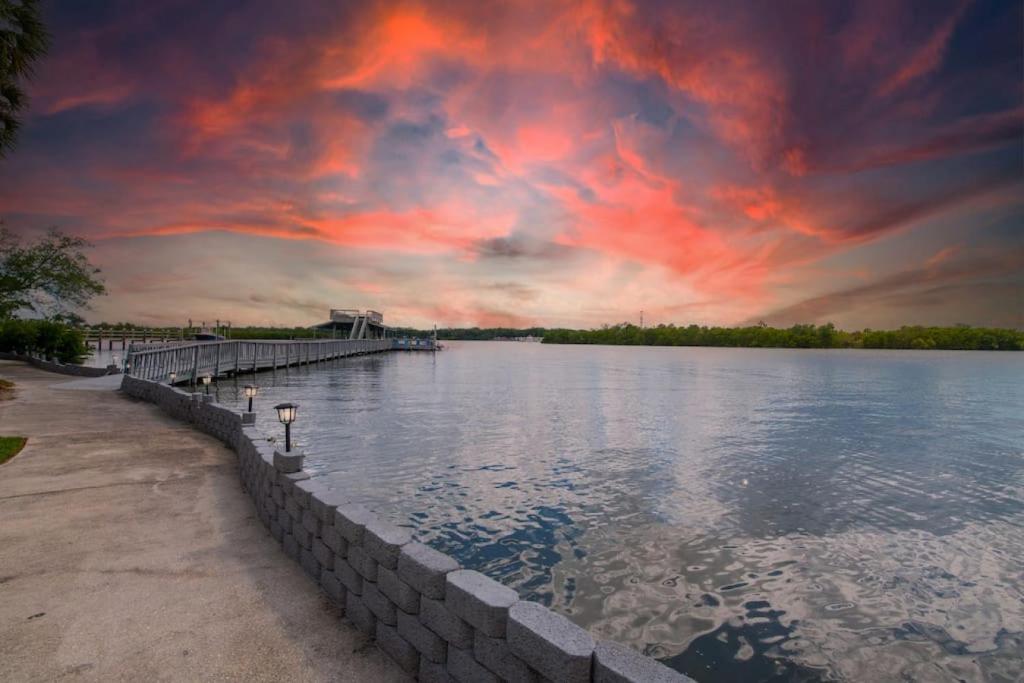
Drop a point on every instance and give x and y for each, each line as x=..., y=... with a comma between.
x=742, y=514
x=101, y=358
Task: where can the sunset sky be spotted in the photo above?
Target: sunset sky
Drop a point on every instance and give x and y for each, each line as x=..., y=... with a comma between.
x=519, y=163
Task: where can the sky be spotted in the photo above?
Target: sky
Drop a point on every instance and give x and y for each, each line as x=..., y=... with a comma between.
x=554, y=163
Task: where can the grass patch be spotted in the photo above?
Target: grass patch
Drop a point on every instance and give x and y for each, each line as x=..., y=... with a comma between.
x=10, y=446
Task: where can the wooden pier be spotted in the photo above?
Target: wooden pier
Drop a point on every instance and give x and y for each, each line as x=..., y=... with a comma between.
x=96, y=337
x=192, y=360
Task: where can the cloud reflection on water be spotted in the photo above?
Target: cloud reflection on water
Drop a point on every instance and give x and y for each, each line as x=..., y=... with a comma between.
x=745, y=514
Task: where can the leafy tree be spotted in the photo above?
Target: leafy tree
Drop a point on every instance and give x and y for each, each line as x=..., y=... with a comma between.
x=23, y=39
x=47, y=277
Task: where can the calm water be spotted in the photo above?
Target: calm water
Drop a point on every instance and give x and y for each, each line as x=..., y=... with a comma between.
x=745, y=515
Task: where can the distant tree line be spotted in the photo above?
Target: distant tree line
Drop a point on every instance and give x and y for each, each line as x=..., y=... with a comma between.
x=473, y=333
x=961, y=337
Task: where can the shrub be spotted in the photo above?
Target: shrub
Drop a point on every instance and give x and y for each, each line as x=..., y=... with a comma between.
x=43, y=338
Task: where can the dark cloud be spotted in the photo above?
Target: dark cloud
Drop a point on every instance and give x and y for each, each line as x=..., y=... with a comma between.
x=996, y=279
x=519, y=247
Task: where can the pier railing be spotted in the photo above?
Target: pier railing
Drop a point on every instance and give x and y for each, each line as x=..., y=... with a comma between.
x=191, y=360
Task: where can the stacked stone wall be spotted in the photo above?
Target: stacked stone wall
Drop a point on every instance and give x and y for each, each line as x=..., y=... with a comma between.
x=61, y=368
x=437, y=621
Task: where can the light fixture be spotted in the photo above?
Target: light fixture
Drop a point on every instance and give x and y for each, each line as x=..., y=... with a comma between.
x=206, y=383
x=286, y=415
x=250, y=393
x=173, y=376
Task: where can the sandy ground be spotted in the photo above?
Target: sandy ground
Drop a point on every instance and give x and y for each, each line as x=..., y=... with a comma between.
x=128, y=551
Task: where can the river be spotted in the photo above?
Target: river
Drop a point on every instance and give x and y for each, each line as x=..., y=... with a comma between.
x=742, y=514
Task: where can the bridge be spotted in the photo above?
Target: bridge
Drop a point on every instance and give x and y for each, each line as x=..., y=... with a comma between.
x=190, y=361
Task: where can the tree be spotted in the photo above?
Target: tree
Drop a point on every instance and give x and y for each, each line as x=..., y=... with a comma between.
x=23, y=40
x=48, y=277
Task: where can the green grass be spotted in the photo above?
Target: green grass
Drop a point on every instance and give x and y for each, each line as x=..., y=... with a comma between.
x=10, y=446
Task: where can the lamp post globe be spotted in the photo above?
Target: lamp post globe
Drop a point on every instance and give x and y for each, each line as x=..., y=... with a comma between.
x=172, y=376
x=206, y=383
x=286, y=413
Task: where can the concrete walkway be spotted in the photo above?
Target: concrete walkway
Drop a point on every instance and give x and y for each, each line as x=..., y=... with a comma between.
x=128, y=551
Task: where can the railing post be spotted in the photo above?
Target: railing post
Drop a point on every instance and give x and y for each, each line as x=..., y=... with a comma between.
x=216, y=367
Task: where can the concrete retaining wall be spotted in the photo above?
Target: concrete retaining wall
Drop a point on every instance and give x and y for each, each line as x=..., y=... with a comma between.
x=55, y=366
x=435, y=620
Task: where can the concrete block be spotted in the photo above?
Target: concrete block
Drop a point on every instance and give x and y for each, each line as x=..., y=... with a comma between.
x=289, y=463
x=362, y=563
x=291, y=547
x=285, y=521
x=426, y=642
x=302, y=491
x=399, y=649
x=425, y=569
x=495, y=654
x=481, y=601
x=615, y=663
x=248, y=419
x=404, y=596
x=276, y=531
x=384, y=541
x=350, y=520
x=311, y=522
x=433, y=672
x=324, y=502
x=359, y=614
x=349, y=577
x=309, y=564
x=291, y=506
x=465, y=669
x=333, y=540
x=277, y=495
x=554, y=646
x=323, y=554
x=436, y=616
x=332, y=586
x=378, y=603
x=303, y=536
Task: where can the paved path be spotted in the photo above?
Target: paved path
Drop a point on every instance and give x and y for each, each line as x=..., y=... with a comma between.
x=128, y=551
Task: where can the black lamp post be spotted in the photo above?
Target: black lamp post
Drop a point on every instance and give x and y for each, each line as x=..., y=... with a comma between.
x=286, y=415
x=206, y=383
x=250, y=393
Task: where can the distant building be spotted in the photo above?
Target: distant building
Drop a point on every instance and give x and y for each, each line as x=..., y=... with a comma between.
x=351, y=323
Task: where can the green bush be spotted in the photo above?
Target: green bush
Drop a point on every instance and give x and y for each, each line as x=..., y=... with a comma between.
x=44, y=338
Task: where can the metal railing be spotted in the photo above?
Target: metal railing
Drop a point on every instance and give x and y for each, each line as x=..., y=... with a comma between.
x=191, y=360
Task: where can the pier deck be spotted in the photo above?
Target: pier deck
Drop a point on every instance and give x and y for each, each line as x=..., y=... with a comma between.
x=191, y=360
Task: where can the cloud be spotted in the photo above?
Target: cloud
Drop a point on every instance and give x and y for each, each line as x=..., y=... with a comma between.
x=574, y=151
x=914, y=288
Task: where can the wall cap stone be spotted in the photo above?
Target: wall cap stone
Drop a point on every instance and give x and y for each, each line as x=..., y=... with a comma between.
x=616, y=663
x=481, y=601
x=425, y=569
x=552, y=644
